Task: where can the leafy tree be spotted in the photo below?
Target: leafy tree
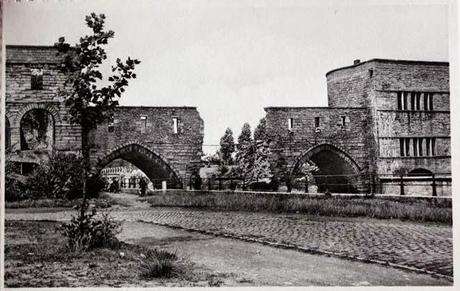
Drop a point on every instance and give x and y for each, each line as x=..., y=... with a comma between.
x=305, y=173
x=261, y=171
x=211, y=159
x=14, y=186
x=227, y=147
x=90, y=98
x=245, y=154
x=280, y=167
x=260, y=132
x=245, y=136
x=282, y=170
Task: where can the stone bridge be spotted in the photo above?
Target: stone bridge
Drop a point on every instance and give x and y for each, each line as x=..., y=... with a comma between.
x=164, y=142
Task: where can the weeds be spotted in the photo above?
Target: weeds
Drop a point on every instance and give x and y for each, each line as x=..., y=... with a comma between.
x=412, y=210
x=160, y=264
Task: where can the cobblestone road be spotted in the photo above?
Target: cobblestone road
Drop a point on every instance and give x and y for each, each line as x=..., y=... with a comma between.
x=422, y=246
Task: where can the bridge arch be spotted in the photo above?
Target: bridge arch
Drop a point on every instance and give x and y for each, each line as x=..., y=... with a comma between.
x=149, y=162
x=338, y=172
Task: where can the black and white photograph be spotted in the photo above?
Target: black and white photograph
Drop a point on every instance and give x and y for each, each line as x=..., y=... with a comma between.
x=256, y=143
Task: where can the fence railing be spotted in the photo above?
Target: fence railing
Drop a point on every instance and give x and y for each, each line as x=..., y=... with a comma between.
x=433, y=185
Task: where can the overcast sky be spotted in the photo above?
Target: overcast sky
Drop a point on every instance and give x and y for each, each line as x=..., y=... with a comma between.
x=233, y=58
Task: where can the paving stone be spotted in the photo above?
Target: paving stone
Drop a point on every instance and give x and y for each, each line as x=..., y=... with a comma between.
x=418, y=245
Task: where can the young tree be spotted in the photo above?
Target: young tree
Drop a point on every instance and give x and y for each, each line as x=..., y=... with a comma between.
x=306, y=171
x=245, y=154
x=90, y=98
x=227, y=147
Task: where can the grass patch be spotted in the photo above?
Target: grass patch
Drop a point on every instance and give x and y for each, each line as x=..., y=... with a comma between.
x=419, y=210
x=160, y=263
x=101, y=202
x=36, y=256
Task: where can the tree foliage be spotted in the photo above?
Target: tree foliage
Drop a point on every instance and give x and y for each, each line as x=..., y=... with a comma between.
x=227, y=147
x=89, y=97
x=306, y=171
x=260, y=132
x=280, y=167
x=245, y=154
x=261, y=171
x=211, y=159
x=245, y=136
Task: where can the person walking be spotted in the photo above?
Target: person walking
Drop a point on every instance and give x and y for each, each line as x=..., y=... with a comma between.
x=143, y=185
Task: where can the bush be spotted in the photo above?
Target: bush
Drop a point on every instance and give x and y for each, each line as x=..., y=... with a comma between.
x=61, y=177
x=14, y=188
x=160, y=263
x=89, y=231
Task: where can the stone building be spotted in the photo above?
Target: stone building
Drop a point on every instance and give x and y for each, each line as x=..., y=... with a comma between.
x=386, y=130
x=164, y=142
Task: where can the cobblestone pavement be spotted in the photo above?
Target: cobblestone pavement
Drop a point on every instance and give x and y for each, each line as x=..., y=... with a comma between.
x=420, y=246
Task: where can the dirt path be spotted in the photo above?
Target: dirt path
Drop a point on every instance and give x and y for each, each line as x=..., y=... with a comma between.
x=125, y=200
x=255, y=264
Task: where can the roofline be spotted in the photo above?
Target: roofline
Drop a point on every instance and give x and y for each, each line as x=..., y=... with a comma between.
x=411, y=62
x=158, y=107
x=313, y=107
x=30, y=46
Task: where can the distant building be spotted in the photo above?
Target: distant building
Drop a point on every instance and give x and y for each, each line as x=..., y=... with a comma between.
x=127, y=175
x=387, y=125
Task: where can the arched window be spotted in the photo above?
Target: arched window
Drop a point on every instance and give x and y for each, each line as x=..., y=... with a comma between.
x=7, y=135
x=420, y=172
x=37, y=130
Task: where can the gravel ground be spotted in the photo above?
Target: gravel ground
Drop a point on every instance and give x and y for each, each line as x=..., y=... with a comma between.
x=255, y=264
x=425, y=247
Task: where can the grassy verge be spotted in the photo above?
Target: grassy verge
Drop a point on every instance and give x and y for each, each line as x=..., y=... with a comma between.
x=407, y=209
x=35, y=256
x=103, y=201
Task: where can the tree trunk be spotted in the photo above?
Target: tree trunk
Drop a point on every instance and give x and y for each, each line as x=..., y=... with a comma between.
x=86, y=168
x=288, y=184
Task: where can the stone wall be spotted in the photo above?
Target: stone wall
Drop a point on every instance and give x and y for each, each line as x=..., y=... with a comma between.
x=149, y=128
x=391, y=77
x=304, y=136
x=152, y=128
x=377, y=124
x=349, y=86
x=21, y=61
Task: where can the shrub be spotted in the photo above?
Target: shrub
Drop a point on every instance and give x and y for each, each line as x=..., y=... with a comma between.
x=62, y=177
x=89, y=231
x=159, y=263
x=14, y=187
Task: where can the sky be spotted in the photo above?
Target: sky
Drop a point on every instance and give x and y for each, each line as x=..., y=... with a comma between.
x=231, y=59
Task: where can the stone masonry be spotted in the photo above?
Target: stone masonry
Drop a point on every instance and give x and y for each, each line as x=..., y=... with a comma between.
x=164, y=142
x=386, y=117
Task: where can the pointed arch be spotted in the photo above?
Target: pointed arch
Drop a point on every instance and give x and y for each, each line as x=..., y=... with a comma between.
x=338, y=172
x=326, y=147
x=149, y=162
